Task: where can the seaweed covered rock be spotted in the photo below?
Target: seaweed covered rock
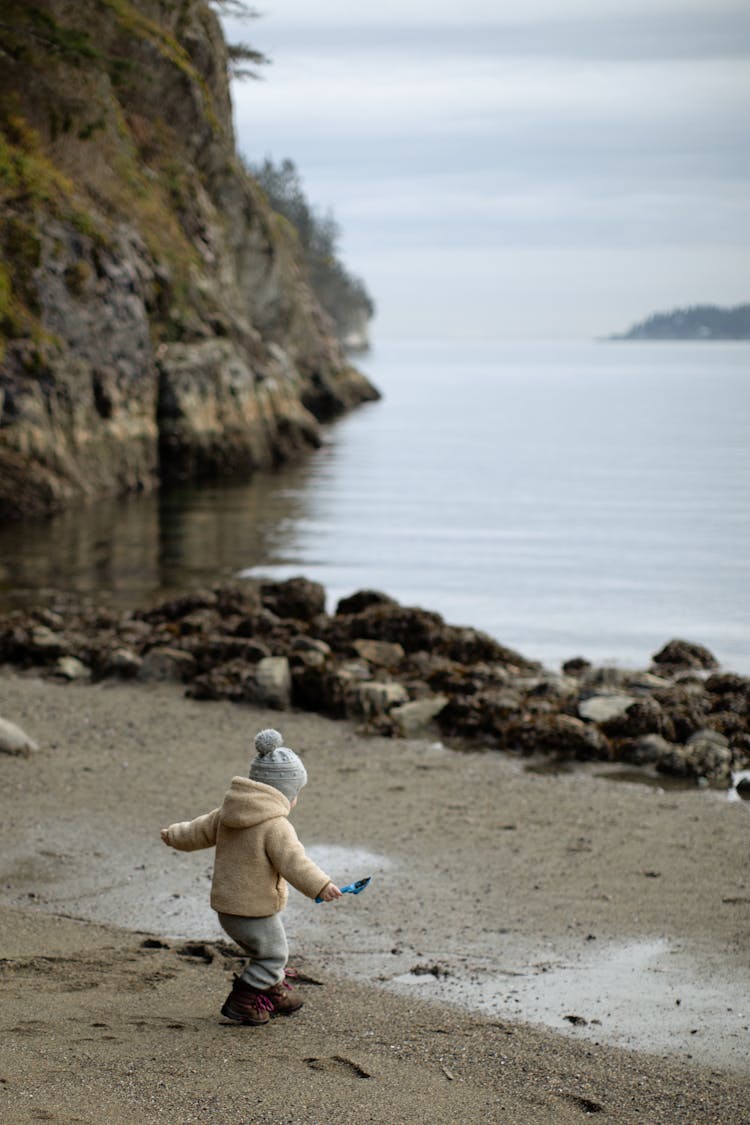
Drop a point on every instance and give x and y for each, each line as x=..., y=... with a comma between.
x=418, y=630
x=679, y=654
x=397, y=670
x=298, y=598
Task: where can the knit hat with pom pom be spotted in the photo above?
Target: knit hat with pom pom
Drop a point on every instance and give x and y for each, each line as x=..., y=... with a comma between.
x=277, y=765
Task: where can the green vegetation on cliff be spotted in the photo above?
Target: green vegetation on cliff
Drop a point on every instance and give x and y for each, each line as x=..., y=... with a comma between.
x=698, y=322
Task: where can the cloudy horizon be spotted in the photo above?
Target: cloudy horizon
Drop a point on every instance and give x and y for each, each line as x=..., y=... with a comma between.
x=506, y=174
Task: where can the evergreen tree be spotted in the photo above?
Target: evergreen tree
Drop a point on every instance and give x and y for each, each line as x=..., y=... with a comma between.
x=344, y=296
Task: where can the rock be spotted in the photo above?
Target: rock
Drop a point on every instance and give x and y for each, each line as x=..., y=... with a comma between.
x=686, y=707
x=372, y=697
x=132, y=630
x=270, y=684
x=603, y=708
x=649, y=750
x=301, y=643
x=606, y=677
x=200, y=621
x=413, y=718
x=14, y=740
x=122, y=662
x=727, y=683
x=704, y=757
x=740, y=744
x=684, y=654
x=490, y=715
x=576, y=666
x=298, y=598
x=728, y=723
x=237, y=598
x=640, y=682
x=223, y=681
x=569, y=737
x=309, y=657
x=44, y=644
x=221, y=649
x=363, y=599
x=354, y=670
x=417, y=630
x=383, y=654
x=706, y=734
x=261, y=622
x=549, y=687
x=644, y=716
x=176, y=609
x=561, y=735
x=70, y=668
x=167, y=665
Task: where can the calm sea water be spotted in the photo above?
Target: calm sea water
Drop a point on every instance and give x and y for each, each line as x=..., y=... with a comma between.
x=577, y=498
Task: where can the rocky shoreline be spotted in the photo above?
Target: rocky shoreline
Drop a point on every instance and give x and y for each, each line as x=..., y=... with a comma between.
x=398, y=671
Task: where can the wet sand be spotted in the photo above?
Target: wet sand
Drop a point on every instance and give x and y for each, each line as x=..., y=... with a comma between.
x=533, y=947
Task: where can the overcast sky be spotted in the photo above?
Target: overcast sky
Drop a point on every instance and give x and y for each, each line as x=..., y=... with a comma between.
x=557, y=168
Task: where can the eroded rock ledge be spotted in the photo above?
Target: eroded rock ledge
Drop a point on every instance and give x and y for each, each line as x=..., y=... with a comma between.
x=400, y=670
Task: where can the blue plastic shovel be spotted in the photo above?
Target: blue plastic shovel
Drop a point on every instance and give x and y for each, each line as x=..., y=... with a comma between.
x=352, y=888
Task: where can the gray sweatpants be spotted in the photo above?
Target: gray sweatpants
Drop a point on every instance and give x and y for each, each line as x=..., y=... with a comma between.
x=264, y=941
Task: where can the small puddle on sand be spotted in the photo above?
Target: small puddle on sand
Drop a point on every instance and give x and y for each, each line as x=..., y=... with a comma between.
x=644, y=995
x=610, y=771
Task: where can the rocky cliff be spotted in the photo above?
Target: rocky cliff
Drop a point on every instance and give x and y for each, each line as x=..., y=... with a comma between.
x=156, y=320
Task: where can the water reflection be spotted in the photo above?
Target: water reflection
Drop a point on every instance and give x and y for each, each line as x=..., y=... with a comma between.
x=129, y=552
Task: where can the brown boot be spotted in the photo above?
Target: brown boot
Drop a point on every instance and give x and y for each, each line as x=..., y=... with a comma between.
x=284, y=999
x=247, y=1005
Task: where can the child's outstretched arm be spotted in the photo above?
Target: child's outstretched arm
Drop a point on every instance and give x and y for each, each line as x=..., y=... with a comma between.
x=189, y=835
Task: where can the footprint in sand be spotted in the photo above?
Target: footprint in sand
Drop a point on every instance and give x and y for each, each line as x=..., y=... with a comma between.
x=337, y=1064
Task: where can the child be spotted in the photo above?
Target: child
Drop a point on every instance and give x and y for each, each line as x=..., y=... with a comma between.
x=257, y=851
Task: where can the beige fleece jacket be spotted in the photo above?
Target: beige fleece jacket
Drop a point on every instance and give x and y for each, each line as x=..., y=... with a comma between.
x=257, y=851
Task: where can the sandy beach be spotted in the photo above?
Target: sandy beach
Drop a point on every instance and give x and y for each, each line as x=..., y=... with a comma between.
x=534, y=946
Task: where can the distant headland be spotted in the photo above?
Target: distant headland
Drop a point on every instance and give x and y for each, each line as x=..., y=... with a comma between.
x=698, y=322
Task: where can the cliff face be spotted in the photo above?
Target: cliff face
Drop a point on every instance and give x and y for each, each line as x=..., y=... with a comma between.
x=156, y=320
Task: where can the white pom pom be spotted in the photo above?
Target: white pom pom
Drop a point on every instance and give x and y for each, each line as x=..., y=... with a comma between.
x=266, y=741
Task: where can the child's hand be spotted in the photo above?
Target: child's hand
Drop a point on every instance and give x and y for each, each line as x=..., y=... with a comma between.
x=164, y=833
x=329, y=893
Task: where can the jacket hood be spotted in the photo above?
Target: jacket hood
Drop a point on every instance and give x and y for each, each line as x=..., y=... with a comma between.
x=247, y=803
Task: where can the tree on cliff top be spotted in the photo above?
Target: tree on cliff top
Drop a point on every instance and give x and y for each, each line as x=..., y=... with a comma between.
x=343, y=296
x=242, y=59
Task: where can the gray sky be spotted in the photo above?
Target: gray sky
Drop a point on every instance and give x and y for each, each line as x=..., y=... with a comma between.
x=551, y=169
